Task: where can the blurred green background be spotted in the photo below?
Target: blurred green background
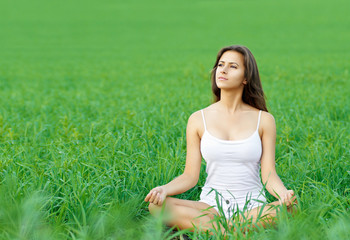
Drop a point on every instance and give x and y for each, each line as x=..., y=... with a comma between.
x=95, y=96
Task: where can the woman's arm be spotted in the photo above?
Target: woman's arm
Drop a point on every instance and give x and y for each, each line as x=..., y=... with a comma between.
x=190, y=177
x=269, y=176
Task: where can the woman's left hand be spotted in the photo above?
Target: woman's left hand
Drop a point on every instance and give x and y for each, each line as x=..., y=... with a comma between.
x=288, y=198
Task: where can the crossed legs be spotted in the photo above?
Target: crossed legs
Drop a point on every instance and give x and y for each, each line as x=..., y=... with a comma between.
x=186, y=213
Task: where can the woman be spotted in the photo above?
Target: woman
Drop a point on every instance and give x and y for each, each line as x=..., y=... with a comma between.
x=236, y=137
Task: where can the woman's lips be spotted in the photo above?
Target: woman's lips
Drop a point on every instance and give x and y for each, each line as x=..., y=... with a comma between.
x=222, y=78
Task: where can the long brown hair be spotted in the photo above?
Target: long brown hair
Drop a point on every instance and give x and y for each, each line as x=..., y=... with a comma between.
x=253, y=93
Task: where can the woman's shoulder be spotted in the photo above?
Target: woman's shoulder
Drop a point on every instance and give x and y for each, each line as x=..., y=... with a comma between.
x=195, y=117
x=267, y=122
x=195, y=122
x=267, y=117
x=264, y=114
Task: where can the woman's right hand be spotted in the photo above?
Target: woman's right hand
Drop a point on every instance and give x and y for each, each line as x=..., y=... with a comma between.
x=288, y=198
x=156, y=196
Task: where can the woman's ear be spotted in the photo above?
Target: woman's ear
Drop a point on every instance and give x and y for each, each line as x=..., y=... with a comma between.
x=245, y=82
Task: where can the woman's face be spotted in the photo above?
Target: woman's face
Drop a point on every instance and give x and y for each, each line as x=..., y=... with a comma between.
x=230, y=71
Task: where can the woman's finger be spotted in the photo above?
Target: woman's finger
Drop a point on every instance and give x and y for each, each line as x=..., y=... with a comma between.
x=153, y=195
x=157, y=199
x=281, y=200
x=292, y=198
x=148, y=196
x=288, y=196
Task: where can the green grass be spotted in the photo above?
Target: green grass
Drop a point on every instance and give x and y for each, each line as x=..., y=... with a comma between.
x=95, y=98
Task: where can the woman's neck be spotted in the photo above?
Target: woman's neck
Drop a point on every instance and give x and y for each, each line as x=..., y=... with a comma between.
x=231, y=101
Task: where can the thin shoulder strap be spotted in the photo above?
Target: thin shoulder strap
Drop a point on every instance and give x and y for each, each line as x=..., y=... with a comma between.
x=257, y=128
x=205, y=126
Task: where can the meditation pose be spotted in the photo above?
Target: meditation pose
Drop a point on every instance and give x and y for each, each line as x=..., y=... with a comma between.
x=236, y=137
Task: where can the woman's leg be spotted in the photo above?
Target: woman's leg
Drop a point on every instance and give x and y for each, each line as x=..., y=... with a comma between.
x=264, y=216
x=185, y=213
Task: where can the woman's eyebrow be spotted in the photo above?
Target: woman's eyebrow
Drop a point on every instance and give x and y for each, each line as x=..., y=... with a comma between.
x=230, y=62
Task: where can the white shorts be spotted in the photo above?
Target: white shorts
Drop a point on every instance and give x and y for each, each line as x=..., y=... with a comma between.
x=231, y=205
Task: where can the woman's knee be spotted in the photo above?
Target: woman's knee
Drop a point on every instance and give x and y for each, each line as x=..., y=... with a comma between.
x=154, y=209
x=170, y=201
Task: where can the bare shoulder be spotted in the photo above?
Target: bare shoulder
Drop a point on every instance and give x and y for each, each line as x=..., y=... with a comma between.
x=195, y=117
x=267, y=122
x=195, y=120
x=195, y=123
x=267, y=117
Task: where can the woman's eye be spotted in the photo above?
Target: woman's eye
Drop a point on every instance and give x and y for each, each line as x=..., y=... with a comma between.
x=220, y=65
x=233, y=66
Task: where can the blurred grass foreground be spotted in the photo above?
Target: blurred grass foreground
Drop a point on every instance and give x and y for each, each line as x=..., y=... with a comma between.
x=95, y=96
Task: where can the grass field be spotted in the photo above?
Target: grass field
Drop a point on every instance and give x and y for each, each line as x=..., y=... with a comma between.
x=95, y=98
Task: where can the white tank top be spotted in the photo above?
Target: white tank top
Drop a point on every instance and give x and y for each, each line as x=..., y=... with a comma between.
x=232, y=166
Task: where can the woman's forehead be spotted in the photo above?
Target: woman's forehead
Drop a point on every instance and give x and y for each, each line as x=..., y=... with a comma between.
x=232, y=56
